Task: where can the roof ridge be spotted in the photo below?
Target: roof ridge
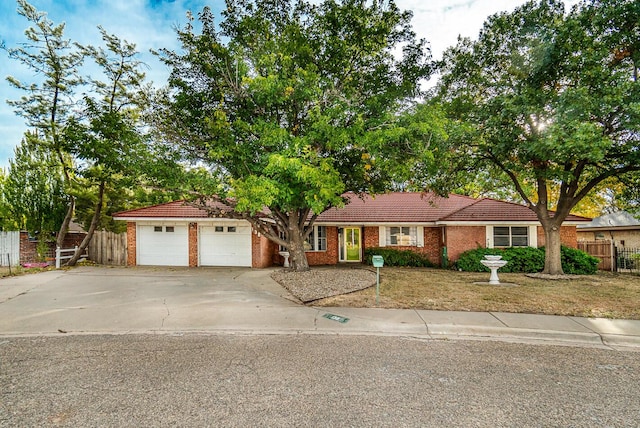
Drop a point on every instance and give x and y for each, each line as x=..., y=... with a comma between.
x=147, y=207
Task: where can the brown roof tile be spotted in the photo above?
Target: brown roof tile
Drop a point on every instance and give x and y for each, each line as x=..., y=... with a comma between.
x=396, y=207
x=488, y=209
x=402, y=207
x=177, y=209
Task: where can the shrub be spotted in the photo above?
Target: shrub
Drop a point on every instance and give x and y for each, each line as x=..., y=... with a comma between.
x=469, y=261
x=528, y=260
x=576, y=262
x=394, y=257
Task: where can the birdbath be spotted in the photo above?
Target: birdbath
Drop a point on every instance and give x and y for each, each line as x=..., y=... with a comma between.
x=494, y=263
x=285, y=255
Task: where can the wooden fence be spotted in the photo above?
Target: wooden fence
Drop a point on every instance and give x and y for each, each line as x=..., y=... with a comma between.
x=604, y=250
x=108, y=248
x=9, y=248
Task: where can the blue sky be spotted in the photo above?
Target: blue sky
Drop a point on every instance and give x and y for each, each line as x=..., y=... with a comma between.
x=150, y=23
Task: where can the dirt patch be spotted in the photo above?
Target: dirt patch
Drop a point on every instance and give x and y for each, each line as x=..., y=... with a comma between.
x=323, y=282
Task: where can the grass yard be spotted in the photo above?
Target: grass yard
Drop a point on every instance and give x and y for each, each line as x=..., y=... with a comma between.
x=605, y=295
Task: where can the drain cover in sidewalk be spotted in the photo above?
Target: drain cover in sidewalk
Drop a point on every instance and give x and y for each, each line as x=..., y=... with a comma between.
x=336, y=318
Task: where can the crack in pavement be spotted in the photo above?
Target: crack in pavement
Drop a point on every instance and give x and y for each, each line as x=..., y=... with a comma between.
x=164, y=302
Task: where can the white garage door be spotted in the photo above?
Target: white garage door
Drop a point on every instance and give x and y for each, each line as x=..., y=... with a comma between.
x=225, y=245
x=163, y=245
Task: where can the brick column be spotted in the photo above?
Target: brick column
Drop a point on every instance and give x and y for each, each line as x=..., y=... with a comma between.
x=131, y=244
x=193, y=244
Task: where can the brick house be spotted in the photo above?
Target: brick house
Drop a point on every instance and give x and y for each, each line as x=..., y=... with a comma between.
x=176, y=234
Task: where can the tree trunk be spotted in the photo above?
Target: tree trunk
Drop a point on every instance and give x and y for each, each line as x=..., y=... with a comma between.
x=297, y=255
x=62, y=233
x=92, y=228
x=552, y=257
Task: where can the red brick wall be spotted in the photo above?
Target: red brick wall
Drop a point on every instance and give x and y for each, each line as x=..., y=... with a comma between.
x=568, y=236
x=462, y=238
x=371, y=237
x=131, y=244
x=433, y=244
x=330, y=256
x=317, y=258
x=432, y=240
x=28, y=249
x=193, y=244
x=262, y=250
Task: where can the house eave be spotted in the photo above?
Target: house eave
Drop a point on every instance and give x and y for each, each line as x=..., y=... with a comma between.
x=608, y=228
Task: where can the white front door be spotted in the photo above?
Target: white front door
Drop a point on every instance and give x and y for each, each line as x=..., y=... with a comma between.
x=225, y=245
x=163, y=245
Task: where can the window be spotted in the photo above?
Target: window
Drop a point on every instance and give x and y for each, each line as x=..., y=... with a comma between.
x=219, y=229
x=510, y=236
x=317, y=240
x=402, y=235
x=231, y=229
x=157, y=228
x=168, y=229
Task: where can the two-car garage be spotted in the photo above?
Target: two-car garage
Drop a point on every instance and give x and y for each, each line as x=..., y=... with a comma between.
x=224, y=243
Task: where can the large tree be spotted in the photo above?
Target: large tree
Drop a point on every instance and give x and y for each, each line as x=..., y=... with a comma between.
x=47, y=103
x=286, y=103
x=106, y=137
x=33, y=190
x=551, y=100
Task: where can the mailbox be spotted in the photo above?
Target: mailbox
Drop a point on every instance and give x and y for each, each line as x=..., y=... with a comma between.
x=378, y=261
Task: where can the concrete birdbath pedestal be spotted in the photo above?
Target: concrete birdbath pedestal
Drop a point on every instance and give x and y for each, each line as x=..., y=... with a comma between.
x=285, y=256
x=494, y=263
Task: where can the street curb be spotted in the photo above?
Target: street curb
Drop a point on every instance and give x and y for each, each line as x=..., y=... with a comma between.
x=436, y=332
x=518, y=334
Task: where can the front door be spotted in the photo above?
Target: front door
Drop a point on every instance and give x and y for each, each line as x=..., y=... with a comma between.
x=350, y=245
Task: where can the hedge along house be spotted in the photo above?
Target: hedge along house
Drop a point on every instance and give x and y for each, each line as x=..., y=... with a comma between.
x=177, y=234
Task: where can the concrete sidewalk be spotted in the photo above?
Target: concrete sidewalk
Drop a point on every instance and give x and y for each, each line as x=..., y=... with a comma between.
x=107, y=301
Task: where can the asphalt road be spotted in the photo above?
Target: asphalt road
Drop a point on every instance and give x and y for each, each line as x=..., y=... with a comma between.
x=308, y=380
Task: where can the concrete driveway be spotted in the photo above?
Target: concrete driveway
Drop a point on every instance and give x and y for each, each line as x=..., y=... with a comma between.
x=103, y=299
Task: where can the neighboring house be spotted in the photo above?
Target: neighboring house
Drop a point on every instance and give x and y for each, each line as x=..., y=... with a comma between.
x=177, y=234
x=29, y=244
x=622, y=228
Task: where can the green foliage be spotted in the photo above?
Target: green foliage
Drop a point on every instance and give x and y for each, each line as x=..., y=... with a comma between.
x=290, y=104
x=33, y=189
x=576, y=262
x=44, y=245
x=469, y=261
x=394, y=257
x=527, y=260
x=548, y=100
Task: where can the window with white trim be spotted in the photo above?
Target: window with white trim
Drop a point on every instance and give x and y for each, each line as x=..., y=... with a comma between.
x=317, y=240
x=402, y=236
x=510, y=236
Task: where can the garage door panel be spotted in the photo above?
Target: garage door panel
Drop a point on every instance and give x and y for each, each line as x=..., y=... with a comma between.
x=163, y=245
x=225, y=245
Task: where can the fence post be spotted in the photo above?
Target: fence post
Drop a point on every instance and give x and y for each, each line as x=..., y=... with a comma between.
x=614, y=258
x=58, y=253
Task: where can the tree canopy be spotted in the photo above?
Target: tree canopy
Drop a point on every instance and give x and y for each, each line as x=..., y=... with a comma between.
x=289, y=104
x=549, y=99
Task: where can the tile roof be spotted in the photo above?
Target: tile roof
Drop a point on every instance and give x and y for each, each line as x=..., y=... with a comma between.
x=395, y=207
x=403, y=207
x=487, y=209
x=177, y=209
